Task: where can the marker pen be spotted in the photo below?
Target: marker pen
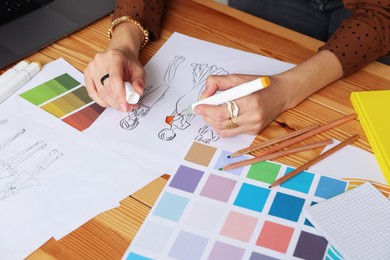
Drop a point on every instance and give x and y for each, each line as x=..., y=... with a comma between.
x=17, y=81
x=7, y=75
x=132, y=96
x=239, y=91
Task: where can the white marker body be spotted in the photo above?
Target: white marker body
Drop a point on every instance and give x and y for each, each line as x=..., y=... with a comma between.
x=12, y=71
x=17, y=81
x=132, y=96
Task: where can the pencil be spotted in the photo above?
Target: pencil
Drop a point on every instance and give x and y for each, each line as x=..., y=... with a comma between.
x=275, y=155
x=273, y=141
x=314, y=161
x=308, y=134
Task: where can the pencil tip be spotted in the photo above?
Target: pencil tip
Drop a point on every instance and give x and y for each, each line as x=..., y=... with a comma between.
x=220, y=169
x=270, y=186
x=228, y=156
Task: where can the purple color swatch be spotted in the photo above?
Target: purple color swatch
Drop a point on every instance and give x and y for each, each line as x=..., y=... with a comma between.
x=186, y=179
x=218, y=188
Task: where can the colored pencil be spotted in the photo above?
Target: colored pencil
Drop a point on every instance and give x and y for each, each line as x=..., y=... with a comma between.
x=311, y=133
x=273, y=141
x=314, y=161
x=276, y=155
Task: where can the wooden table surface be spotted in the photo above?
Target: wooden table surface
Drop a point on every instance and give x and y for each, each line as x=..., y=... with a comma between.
x=108, y=235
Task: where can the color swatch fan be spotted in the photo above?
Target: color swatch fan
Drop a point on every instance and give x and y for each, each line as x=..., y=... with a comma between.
x=371, y=107
x=205, y=213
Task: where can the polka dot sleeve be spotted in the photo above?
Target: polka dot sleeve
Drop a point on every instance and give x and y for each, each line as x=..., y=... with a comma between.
x=364, y=37
x=147, y=12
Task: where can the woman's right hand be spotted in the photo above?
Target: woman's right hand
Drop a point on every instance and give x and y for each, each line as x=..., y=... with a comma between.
x=121, y=62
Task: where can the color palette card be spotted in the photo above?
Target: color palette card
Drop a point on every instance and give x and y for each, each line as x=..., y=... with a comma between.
x=64, y=96
x=355, y=222
x=205, y=213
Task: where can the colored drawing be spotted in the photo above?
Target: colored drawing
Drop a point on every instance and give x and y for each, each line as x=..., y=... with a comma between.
x=212, y=214
x=65, y=98
x=181, y=122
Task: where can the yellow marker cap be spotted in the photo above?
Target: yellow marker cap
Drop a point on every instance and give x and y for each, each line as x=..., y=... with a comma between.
x=265, y=81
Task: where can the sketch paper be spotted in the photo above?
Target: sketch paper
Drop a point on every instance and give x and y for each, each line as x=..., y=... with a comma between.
x=355, y=222
x=350, y=162
x=53, y=178
x=176, y=76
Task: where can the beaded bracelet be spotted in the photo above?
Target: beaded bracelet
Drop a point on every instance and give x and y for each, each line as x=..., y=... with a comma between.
x=130, y=20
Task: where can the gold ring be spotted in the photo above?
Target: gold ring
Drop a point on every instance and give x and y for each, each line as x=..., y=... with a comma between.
x=231, y=124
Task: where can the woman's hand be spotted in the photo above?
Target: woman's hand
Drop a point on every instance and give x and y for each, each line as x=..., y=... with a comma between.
x=255, y=111
x=121, y=62
x=287, y=90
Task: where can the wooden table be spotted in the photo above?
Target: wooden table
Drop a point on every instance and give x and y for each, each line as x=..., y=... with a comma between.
x=108, y=235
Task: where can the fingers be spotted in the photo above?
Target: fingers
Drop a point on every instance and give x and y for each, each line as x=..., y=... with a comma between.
x=120, y=67
x=215, y=83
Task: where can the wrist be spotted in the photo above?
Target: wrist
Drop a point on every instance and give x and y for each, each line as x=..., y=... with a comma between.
x=127, y=37
x=308, y=77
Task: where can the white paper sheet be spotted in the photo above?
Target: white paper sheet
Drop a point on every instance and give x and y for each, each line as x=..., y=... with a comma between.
x=54, y=178
x=176, y=76
x=350, y=162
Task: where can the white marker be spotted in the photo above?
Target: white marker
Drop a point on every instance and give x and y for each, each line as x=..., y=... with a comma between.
x=7, y=75
x=239, y=91
x=132, y=96
x=17, y=81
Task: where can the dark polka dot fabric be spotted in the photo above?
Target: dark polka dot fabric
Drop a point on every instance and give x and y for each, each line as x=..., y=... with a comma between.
x=364, y=37
x=360, y=39
x=147, y=12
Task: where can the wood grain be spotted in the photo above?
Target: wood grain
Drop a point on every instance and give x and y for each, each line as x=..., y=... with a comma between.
x=108, y=235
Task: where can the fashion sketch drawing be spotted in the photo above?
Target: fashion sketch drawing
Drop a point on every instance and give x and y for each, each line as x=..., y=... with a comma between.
x=20, y=170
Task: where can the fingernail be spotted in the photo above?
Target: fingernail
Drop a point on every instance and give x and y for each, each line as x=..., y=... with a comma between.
x=123, y=108
x=197, y=110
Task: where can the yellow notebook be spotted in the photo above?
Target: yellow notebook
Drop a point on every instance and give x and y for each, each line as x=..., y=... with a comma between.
x=372, y=109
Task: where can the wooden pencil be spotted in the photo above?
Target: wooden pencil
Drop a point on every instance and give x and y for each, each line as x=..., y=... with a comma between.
x=311, y=133
x=275, y=155
x=314, y=161
x=273, y=141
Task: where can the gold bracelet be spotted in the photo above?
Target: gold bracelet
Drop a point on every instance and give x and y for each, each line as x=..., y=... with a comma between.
x=130, y=20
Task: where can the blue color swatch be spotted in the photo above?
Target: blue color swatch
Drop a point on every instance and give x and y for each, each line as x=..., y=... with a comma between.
x=252, y=197
x=329, y=187
x=170, y=206
x=287, y=206
x=301, y=182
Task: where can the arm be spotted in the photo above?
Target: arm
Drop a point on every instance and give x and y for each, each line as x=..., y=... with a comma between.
x=364, y=37
x=120, y=60
x=334, y=60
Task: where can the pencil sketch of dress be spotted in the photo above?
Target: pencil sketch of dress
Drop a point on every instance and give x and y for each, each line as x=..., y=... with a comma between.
x=8, y=167
x=26, y=179
x=8, y=141
x=180, y=122
x=151, y=96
